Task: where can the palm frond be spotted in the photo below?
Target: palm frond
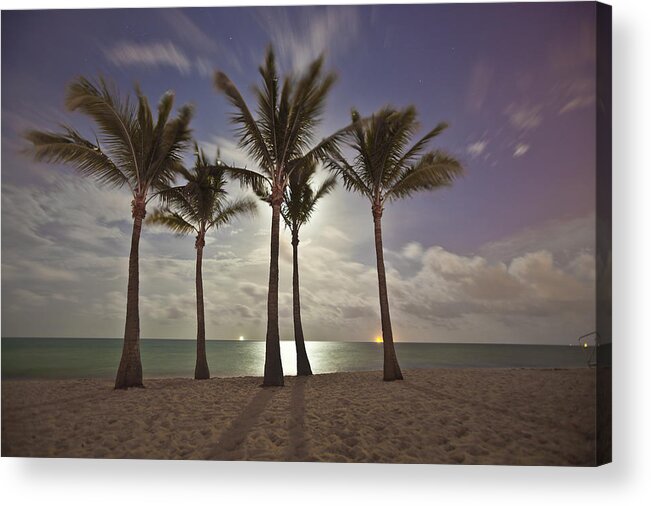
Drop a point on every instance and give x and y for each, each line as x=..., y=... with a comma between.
x=249, y=136
x=130, y=149
x=249, y=178
x=328, y=147
x=232, y=210
x=179, y=199
x=144, y=133
x=283, y=118
x=310, y=199
x=172, y=141
x=434, y=170
x=326, y=187
x=417, y=149
x=383, y=167
x=358, y=141
x=165, y=105
x=267, y=99
x=71, y=148
x=264, y=194
x=171, y=220
x=392, y=143
x=351, y=179
x=115, y=117
x=306, y=107
x=202, y=202
x=301, y=197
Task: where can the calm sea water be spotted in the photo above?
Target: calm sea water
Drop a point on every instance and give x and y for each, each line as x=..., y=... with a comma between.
x=98, y=358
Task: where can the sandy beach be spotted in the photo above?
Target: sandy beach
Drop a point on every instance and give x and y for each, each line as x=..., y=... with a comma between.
x=444, y=416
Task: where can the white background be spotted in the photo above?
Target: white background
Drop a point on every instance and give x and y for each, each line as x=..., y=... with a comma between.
x=626, y=481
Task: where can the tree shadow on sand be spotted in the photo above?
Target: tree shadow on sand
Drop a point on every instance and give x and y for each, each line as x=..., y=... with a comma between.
x=298, y=449
x=230, y=444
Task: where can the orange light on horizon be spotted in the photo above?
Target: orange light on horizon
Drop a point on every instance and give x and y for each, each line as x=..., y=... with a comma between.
x=378, y=339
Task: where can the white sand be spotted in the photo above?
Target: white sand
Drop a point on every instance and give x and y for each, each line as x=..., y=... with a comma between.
x=470, y=416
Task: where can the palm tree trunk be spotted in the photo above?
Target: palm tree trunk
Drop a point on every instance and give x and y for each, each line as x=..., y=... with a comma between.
x=130, y=369
x=273, y=366
x=302, y=362
x=391, y=368
x=201, y=370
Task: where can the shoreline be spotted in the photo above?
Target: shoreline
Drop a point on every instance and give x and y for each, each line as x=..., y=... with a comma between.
x=457, y=415
x=250, y=376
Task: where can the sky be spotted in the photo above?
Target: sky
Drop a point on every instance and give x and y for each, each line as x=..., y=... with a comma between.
x=505, y=255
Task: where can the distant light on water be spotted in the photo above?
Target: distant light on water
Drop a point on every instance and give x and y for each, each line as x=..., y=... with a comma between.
x=241, y=338
x=585, y=345
x=378, y=339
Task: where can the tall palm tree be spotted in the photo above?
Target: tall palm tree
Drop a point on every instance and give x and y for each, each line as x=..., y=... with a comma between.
x=279, y=140
x=131, y=149
x=197, y=207
x=300, y=203
x=385, y=169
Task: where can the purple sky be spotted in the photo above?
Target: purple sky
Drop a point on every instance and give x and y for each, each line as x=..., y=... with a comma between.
x=506, y=255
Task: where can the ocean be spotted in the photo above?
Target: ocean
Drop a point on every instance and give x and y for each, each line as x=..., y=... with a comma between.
x=99, y=358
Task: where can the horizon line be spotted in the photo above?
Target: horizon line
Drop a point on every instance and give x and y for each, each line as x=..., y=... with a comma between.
x=292, y=340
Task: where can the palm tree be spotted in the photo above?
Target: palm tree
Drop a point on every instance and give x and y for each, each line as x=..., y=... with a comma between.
x=279, y=140
x=385, y=169
x=131, y=150
x=197, y=207
x=299, y=205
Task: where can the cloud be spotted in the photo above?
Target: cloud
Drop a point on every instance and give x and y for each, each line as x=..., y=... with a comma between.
x=577, y=103
x=524, y=116
x=301, y=38
x=565, y=82
x=154, y=55
x=37, y=271
x=335, y=236
x=412, y=251
x=577, y=94
x=476, y=148
x=175, y=313
x=63, y=244
x=157, y=55
x=577, y=50
x=357, y=312
x=546, y=280
x=481, y=77
x=584, y=267
x=257, y=292
x=36, y=216
x=565, y=239
x=188, y=31
x=537, y=286
x=244, y=311
x=520, y=150
x=573, y=61
x=22, y=296
x=204, y=67
x=188, y=39
x=562, y=82
x=530, y=286
x=209, y=52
